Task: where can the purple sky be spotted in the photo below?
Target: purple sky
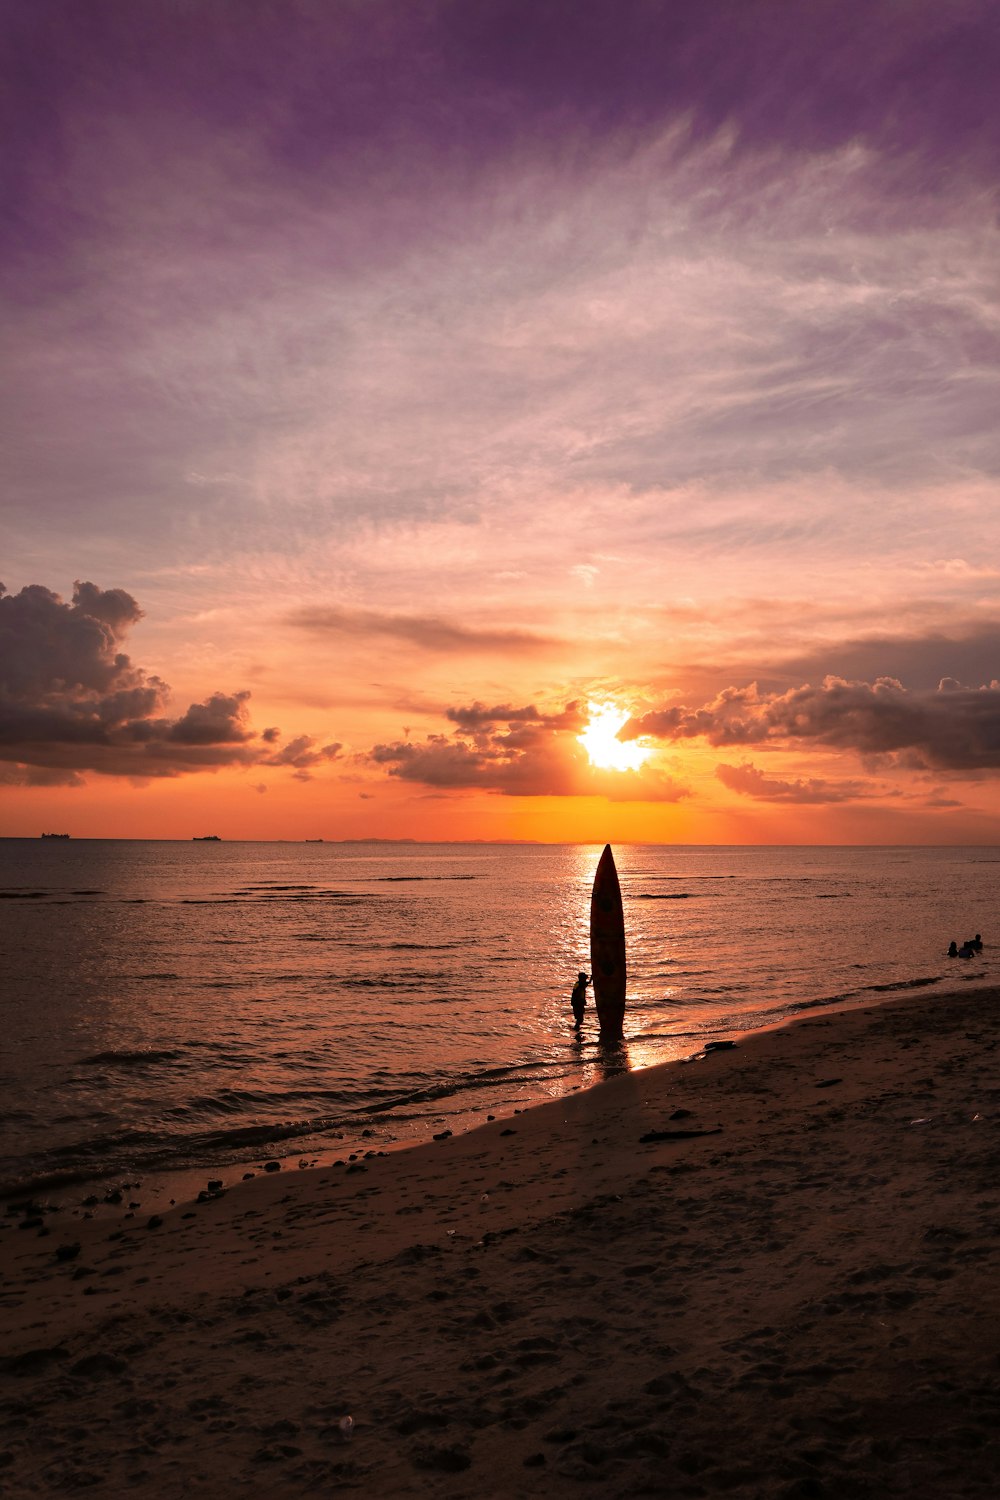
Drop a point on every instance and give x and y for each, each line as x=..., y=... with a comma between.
x=399, y=358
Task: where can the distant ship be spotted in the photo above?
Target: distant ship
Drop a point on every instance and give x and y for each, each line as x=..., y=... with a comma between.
x=206, y=838
x=313, y=841
x=55, y=835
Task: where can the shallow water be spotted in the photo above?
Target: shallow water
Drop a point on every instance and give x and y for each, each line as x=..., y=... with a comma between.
x=185, y=1005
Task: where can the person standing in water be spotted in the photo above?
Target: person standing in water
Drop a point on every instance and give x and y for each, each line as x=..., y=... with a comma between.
x=578, y=999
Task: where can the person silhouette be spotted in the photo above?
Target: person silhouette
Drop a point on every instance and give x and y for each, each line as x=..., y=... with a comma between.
x=578, y=999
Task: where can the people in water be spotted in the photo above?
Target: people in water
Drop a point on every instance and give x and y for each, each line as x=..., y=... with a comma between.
x=578, y=999
x=968, y=948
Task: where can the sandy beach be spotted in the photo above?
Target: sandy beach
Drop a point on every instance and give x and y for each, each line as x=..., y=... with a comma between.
x=769, y=1271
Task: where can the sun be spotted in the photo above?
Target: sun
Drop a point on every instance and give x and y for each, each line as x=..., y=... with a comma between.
x=600, y=740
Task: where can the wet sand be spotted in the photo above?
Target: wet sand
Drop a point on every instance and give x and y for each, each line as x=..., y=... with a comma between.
x=771, y=1271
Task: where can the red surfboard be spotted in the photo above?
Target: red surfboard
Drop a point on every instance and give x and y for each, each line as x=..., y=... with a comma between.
x=607, y=947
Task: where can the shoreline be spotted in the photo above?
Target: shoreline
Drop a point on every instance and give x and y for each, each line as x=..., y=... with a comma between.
x=83, y=1195
x=768, y=1272
x=180, y=1188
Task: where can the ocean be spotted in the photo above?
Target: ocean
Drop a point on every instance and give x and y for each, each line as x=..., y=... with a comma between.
x=173, y=1007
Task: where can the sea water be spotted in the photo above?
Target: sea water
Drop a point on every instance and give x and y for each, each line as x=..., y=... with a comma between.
x=170, y=1006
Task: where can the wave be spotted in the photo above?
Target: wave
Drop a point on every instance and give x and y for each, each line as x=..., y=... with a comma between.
x=129, y=1058
x=671, y=896
x=89, y=1117
x=416, y=947
x=390, y=982
x=136, y=1154
x=383, y=1099
x=210, y=901
x=253, y=890
x=904, y=984
x=794, y=1007
x=342, y=898
x=443, y=1088
x=132, y=1153
x=190, y=1142
x=27, y=1184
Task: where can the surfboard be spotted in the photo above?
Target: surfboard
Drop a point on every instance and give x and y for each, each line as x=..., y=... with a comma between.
x=607, y=947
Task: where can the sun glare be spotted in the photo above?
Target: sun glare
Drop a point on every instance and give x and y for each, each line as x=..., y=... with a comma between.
x=600, y=740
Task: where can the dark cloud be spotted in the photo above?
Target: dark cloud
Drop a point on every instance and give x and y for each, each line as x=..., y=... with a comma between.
x=750, y=782
x=536, y=754
x=221, y=720
x=426, y=631
x=920, y=660
x=71, y=700
x=952, y=728
x=439, y=762
x=477, y=717
x=46, y=644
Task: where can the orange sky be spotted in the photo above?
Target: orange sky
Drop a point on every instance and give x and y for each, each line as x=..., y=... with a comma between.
x=392, y=416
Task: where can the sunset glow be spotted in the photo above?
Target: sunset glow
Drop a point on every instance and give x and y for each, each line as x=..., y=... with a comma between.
x=600, y=740
x=367, y=426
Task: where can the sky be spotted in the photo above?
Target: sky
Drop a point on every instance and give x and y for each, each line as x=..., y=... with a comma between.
x=501, y=419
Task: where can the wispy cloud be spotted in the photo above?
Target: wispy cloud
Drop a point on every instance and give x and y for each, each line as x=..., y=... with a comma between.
x=427, y=632
x=751, y=782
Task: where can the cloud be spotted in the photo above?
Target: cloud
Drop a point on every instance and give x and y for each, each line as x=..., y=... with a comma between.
x=427, y=632
x=968, y=651
x=220, y=720
x=953, y=728
x=718, y=285
x=463, y=302
x=750, y=782
x=518, y=752
x=71, y=700
x=44, y=776
x=477, y=717
x=45, y=643
x=469, y=82
x=302, y=754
